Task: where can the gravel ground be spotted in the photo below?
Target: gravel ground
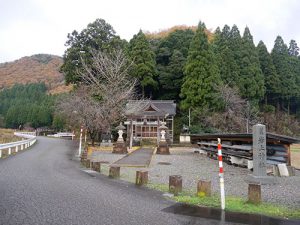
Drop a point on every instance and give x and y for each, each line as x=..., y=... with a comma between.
x=194, y=166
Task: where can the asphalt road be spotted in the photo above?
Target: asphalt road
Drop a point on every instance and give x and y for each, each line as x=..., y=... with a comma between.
x=43, y=185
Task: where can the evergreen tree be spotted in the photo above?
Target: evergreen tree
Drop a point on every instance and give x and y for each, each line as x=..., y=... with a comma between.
x=293, y=48
x=271, y=79
x=201, y=74
x=251, y=80
x=99, y=36
x=235, y=43
x=170, y=58
x=144, y=63
x=171, y=79
x=229, y=70
x=281, y=60
x=26, y=104
x=294, y=63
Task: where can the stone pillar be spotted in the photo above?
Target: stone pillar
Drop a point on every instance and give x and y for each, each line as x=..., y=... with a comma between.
x=259, y=151
x=204, y=188
x=254, y=193
x=175, y=184
x=114, y=172
x=141, y=178
x=259, y=175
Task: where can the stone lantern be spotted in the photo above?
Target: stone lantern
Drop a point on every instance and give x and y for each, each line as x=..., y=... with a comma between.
x=163, y=147
x=120, y=145
x=120, y=129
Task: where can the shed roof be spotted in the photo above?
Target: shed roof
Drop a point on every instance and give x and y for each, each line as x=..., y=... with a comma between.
x=271, y=137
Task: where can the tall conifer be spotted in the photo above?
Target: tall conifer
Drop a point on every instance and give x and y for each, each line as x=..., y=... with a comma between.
x=144, y=63
x=201, y=74
x=229, y=70
x=271, y=79
x=251, y=80
x=281, y=60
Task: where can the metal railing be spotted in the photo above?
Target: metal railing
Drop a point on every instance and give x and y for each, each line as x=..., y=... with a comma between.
x=18, y=145
x=62, y=134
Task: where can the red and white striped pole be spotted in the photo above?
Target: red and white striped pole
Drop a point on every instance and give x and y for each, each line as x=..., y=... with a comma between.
x=221, y=174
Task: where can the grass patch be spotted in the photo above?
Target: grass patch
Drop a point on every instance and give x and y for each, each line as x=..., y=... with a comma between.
x=159, y=187
x=7, y=135
x=236, y=204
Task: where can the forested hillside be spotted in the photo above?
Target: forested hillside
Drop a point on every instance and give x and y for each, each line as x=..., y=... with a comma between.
x=34, y=69
x=26, y=106
x=226, y=81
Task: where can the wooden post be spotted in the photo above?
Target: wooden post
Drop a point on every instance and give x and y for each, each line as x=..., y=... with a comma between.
x=96, y=166
x=288, y=160
x=141, y=177
x=88, y=163
x=254, y=193
x=204, y=188
x=175, y=184
x=114, y=172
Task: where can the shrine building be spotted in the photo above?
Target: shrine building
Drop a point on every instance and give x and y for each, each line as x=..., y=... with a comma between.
x=145, y=117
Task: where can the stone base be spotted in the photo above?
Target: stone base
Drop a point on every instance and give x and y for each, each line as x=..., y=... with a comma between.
x=106, y=144
x=251, y=179
x=120, y=148
x=163, y=148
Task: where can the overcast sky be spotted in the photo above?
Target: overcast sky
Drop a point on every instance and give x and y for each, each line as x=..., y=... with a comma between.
x=30, y=27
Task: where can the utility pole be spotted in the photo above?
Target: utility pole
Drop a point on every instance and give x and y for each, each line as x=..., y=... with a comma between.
x=80, y=142
x=189, y=118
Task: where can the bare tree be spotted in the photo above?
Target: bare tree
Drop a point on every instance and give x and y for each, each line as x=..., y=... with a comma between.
x=237, y=114
x=101, y=98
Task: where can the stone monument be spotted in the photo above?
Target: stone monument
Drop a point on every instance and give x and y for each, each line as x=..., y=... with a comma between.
x=259, y=175
x=120, y=145
x=163, y=147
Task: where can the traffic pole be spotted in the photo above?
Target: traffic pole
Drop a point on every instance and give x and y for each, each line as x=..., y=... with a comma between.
x=221, y=174
x=80, y=142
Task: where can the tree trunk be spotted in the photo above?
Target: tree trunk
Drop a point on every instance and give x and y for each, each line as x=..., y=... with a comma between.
x=288, y=107
x=93, y=137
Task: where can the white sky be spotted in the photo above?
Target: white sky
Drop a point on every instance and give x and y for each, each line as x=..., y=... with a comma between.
x=30, y=27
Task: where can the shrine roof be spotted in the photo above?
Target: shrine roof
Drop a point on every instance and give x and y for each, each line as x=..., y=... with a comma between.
x=151, y=108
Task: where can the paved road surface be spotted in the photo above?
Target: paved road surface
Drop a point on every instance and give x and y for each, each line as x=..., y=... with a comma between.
x=44, y=186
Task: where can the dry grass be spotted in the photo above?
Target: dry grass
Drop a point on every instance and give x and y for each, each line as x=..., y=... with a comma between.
x=92, y=149
x=295, y=155
x=7, y=135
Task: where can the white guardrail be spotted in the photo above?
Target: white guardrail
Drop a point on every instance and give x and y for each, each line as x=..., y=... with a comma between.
x=18, y=145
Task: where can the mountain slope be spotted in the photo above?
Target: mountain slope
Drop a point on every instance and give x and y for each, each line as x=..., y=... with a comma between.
x=33, y=69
